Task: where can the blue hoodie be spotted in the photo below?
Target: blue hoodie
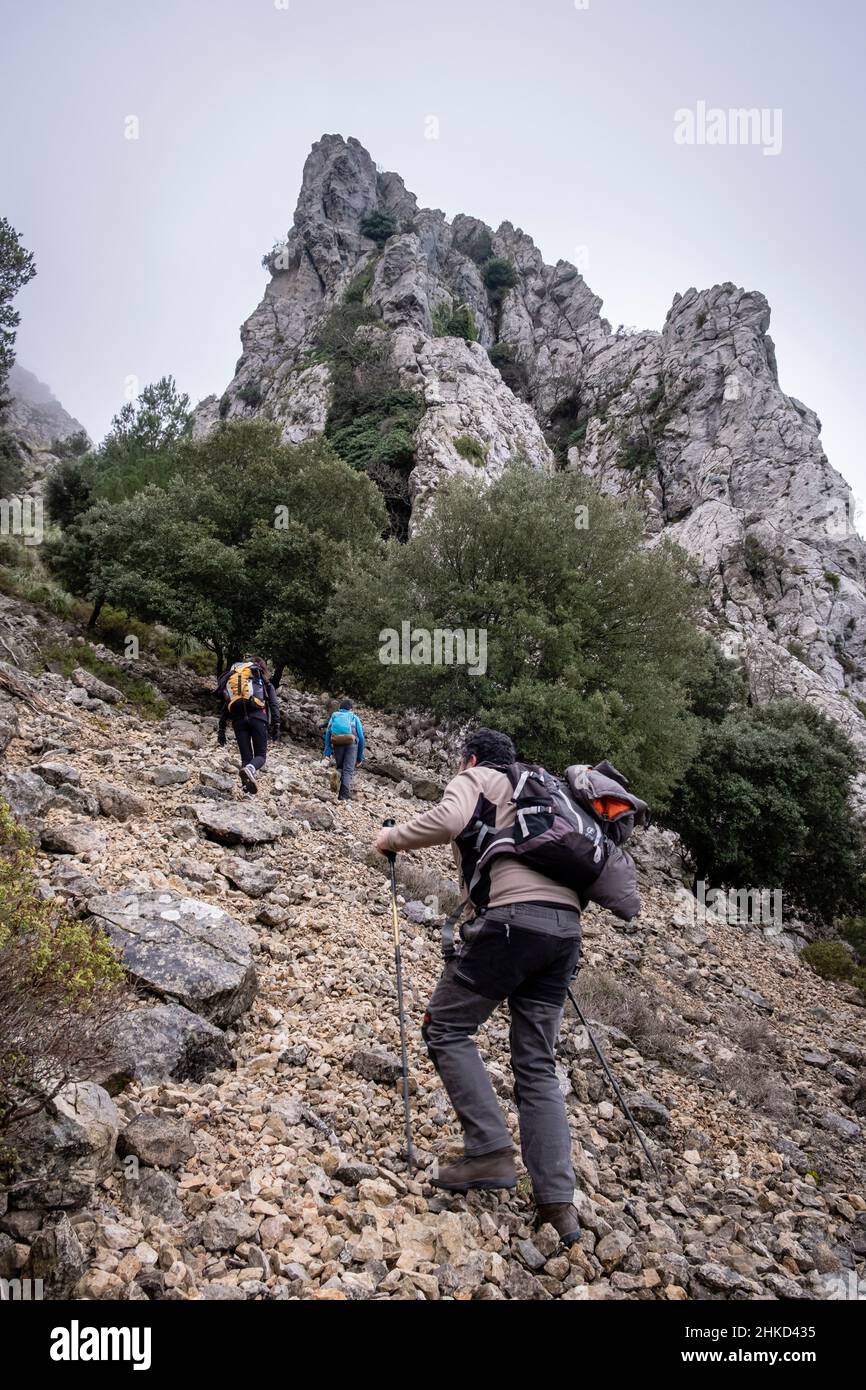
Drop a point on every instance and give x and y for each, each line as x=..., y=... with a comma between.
x=359, y=731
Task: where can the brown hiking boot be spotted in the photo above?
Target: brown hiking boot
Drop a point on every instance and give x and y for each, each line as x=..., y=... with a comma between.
x=562, y=1216
x=485, y=1171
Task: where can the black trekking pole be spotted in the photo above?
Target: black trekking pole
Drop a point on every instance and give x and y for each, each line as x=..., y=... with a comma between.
x=613, y=1083
x=392, y=857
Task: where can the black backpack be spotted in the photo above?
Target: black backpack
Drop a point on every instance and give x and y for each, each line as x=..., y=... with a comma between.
x=563, y=828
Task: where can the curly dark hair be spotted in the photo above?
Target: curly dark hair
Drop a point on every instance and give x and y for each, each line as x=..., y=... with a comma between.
x=490, y=747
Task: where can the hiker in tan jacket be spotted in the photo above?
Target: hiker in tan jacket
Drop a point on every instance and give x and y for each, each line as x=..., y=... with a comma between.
x=523, y=947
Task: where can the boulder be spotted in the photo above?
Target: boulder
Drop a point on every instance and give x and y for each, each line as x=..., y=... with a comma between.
x=237, y=825
x=75, y=838
x=223, y=1227
x=183, y=950
x=57, y=774
x=153, y=1192
x=118, y=802
x=68, y=1148
x=376, y=1065
x=164, y=1042
x=28, y=795
x=169, y=775
x=157, y=1140
x=56, y=1256
x=315, y=813
x=253, y=879
x=95, y=688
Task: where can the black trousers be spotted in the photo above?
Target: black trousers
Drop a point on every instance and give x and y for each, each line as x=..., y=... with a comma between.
x=252, y=736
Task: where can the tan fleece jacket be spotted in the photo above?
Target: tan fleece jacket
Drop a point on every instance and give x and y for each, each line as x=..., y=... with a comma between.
x=510, y=881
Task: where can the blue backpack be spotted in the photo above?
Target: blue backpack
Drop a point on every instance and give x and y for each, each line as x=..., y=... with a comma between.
x=342, y=728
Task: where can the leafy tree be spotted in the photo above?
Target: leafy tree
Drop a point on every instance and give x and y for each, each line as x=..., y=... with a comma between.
x=589, y=635
x=240, y=550
x=17, y=269
x=142, y=444
x=72, y=447
x=764, y=804
x=68, y=491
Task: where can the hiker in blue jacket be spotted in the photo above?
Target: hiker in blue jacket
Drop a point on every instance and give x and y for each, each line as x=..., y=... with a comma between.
x=344, y=742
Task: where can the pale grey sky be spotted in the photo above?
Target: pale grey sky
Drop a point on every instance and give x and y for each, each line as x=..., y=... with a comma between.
x=555, y=115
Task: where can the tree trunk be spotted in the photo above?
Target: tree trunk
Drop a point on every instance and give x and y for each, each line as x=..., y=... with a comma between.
x=97, y=609
x=278, y=674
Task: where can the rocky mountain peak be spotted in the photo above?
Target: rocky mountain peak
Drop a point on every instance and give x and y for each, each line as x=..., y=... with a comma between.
x=510, y=357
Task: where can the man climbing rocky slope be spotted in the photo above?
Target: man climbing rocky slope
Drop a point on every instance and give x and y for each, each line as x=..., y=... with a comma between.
x=510, y=357
x=252, y=1144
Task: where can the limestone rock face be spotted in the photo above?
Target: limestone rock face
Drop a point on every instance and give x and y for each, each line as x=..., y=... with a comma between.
x=36, y=421
x=690, y=422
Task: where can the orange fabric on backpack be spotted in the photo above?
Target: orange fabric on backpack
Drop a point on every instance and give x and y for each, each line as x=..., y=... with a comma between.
x=609, y=807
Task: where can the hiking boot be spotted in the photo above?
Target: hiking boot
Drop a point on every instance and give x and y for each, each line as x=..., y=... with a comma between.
x=488, y=1172
x=562, y=1216
x=344, y=795
x=249, y=779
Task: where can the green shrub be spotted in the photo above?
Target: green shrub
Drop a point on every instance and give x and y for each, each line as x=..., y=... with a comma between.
x=60, y=984
x=251, y=394
x=765, y=804
x=372, y=418
x=854, y=932
x=470, y=449
x=378, y=226
x=63, y=656
x=456, y=323
x=829, y=959
x=588, y=640
x=832, y=579
x=359, y=287
x=757, y=559
x=637, y=454
x=499, y=277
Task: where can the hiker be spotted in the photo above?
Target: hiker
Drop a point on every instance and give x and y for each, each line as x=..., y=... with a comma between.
x=344, y=742
x=522, y=946
x=250, y=702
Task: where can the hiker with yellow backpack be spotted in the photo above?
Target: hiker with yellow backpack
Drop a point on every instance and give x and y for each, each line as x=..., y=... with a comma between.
x=249, y=700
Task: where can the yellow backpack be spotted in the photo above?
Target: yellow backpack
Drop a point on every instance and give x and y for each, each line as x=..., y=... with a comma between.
x=245, y=684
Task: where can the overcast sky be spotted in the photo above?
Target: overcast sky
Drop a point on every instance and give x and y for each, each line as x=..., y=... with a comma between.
x=557, y=116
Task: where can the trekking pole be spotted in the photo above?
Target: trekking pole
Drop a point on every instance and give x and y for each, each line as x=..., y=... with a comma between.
x=614, y=1086
x=392, y=857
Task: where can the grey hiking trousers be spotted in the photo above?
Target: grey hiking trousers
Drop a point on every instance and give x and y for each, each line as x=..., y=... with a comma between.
x=527, y=954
